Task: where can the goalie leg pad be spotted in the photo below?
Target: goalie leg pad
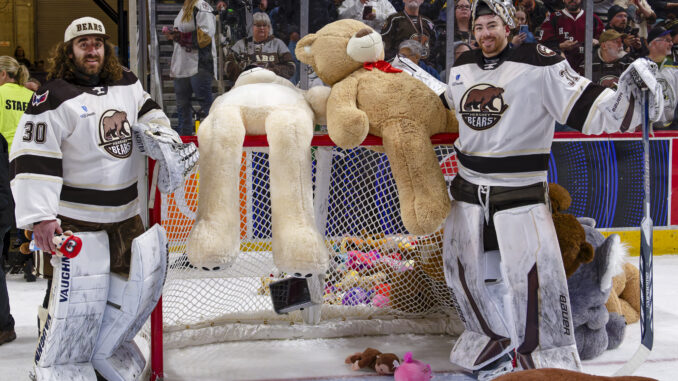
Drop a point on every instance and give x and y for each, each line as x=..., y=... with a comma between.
x=76, y=309
x=487, y=335
x=533, y=269
x=130, y=302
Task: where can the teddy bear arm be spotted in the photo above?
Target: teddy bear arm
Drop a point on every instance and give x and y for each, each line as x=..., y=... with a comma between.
x=347, y=125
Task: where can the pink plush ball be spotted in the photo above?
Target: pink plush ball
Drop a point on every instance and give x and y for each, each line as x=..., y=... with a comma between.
x=412, y=370
x=380, y=301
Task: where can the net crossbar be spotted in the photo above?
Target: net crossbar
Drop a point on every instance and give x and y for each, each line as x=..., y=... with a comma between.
x=381, y=279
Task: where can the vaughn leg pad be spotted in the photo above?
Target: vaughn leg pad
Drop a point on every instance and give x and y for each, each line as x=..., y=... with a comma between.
x=487, y=336
x=532, y=267
x=130, y=302
x=76, y=309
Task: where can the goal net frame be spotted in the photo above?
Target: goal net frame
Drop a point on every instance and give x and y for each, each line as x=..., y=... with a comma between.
x=341, y=315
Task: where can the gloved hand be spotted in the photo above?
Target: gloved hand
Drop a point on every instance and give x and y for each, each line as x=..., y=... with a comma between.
x=642, y=74
x=175, y=158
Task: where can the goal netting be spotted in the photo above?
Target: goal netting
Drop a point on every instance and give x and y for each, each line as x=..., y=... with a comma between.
x=381, y=279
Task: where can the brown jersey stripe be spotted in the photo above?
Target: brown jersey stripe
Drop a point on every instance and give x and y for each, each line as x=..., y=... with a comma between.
x=149, y=105
x=97, y=197
x=581, y=108
x=508, y=164
x=35, y=164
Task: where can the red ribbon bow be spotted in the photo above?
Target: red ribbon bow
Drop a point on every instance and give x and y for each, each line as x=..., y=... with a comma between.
x=381, y=65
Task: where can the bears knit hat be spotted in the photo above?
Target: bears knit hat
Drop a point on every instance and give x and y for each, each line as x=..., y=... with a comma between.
x=613, y=11
x=85, y=26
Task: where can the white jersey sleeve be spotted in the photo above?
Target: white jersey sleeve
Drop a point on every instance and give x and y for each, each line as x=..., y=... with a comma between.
x=36, y=158
x=574, y=100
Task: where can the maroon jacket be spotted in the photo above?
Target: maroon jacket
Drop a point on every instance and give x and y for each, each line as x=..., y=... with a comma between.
x=560, y=26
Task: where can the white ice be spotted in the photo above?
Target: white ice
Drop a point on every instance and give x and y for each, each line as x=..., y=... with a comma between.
x=324, y=359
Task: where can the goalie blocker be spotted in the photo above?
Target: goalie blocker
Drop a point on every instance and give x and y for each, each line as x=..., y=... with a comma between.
x=93, y=315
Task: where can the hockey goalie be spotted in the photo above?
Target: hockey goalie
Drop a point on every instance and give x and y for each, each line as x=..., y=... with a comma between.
x=501, y=253
x=76, y=164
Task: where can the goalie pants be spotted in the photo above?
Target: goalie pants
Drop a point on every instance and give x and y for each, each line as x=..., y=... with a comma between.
x=120, y=236
x=503, y=262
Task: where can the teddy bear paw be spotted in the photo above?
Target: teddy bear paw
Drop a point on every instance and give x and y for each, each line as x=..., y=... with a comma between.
x=302, y=251
x=211, y=248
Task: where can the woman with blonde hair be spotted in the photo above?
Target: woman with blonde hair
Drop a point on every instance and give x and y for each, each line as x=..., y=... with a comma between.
x=193, y=60
x=14, y=96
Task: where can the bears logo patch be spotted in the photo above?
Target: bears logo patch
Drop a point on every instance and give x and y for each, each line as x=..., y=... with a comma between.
x=544, y=51
x=482, y=106
x=115, y=134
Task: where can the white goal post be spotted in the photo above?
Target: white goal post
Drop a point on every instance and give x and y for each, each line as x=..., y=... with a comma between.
x=381, y=279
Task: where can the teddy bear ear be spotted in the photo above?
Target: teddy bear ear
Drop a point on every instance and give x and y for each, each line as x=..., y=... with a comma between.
x=304, y=50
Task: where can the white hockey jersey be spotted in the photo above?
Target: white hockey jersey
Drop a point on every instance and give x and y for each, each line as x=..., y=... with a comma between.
x=507, y=112
x=668, y=78
x=73, y=155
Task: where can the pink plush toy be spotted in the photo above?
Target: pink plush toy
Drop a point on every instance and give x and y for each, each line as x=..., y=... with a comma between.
x=412, y=370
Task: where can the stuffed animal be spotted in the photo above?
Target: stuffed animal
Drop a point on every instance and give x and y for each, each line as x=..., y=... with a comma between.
x=571, y=236
x=412, y=370
x=595, y=329
x=370, y=96
x=260, y=102
x=382, y=363
x=625, y=295
x=551, y=374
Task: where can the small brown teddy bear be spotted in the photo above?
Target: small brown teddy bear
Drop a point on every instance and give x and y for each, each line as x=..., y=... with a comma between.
x=571, y=235
x=382, y=363
x=625, y=295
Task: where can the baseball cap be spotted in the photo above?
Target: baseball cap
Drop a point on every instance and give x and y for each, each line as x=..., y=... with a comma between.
x=656, y=32
x=609, y=35
x=85, y=26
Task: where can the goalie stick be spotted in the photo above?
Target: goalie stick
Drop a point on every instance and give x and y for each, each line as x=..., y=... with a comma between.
x=646, y=315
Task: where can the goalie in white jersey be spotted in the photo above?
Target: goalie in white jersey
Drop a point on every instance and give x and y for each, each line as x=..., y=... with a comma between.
x=75, y=165
x=501, y=252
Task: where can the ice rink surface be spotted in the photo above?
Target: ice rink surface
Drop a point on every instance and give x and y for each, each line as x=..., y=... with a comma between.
x=324, y=359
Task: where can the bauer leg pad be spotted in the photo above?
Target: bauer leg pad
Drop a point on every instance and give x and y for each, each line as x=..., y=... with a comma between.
x=130, y=302
x=487, y=336
x=76, y=309
x=532, y=267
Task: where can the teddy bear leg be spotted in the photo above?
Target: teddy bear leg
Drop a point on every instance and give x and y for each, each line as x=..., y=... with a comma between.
x=424, y=201
x=297, y=245
x=214, y=241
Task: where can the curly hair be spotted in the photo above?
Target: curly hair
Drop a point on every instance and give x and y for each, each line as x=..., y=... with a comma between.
x=61, y=65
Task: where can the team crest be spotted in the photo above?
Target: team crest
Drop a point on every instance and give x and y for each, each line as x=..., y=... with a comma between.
x=544, y=51
x=609, y=81
x=39, y=98
x=668, y=93
x=482, y=106
x=115, y=134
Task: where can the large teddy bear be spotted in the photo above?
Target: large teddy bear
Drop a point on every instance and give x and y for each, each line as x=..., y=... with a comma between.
x=260, y=103
x=369, y=96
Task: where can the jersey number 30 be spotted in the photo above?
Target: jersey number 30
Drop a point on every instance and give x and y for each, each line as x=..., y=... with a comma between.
x=34, y=132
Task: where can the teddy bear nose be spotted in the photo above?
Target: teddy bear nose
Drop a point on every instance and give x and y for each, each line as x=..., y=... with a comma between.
x=363, y=32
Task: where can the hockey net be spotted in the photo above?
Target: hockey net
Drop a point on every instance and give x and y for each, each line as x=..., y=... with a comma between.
x=381, y=279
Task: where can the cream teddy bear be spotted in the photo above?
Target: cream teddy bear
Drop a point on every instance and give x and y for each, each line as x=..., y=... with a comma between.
x=260, y=103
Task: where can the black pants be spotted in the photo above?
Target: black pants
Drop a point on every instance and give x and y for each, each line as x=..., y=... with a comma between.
x=501, y=198
x=6, y=319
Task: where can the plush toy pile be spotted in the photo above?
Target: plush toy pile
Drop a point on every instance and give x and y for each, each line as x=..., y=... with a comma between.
x=604, y=290
x=388, y=363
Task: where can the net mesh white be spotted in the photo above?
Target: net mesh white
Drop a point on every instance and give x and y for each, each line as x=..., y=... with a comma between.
x=381, y=280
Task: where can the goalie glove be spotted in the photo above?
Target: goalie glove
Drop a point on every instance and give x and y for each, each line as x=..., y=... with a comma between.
x=175, y=159
x=642, y=75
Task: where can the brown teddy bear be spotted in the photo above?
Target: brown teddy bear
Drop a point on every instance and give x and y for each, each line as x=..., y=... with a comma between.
x=370, y=96
x=571, y=235
x=562, y=375
x=625, y=295
x=382, y=363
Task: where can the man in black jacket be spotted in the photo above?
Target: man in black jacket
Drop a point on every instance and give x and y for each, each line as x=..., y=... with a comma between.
x=7, y=333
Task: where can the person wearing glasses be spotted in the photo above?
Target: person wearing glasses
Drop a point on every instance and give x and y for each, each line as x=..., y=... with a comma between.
x=261, y=50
